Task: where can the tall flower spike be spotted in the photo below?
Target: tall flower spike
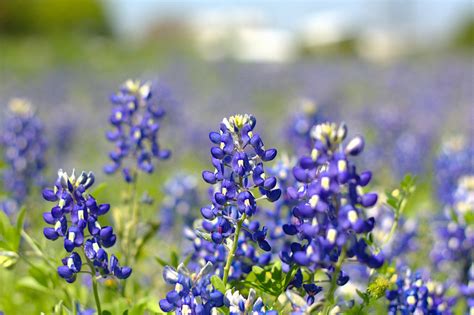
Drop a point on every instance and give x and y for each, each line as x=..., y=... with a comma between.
x=238, y=158
x=75, y=211
x=24, y=145
x=329, y=218
x=135, y=121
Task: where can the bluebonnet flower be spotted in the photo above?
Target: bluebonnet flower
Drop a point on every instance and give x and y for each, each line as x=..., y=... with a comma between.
x=238, y=160
x=24, y=147
x=181, y=196
x=135, y=119
x=454, y=162
x=239, y=174
x=239, y=305
x=192, y=293
x=415, y=294
x=455, y=233
x=76, y=210
x=329, y=219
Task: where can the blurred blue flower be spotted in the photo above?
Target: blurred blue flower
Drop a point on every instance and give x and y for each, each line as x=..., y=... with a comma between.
x=192, y=293
x=181, y=198
x=135, y=119
x=24, y=146
x=454, y=161
x=415, y=294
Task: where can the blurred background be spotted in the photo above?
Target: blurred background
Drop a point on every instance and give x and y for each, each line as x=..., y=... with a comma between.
x=401, y=72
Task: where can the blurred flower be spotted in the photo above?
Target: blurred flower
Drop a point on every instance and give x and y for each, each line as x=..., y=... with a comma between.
x=454, y=161
x=192, y=293
x=75, y=210
x=415, y=295
x=181, y=198
x=135, y=120
x=455, y=233
x=24, y=145
x=405, y=241
x=239, y=305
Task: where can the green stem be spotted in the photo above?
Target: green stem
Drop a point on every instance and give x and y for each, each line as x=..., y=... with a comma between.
x=231, y=255
x=94, y=286
x=329, y=297
x=132, y=217
x=37, y=250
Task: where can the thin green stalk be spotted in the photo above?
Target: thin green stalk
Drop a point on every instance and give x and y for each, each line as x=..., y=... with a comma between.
x=231, y=255
x=36, y=248
x=329, y=297
x=132, y=217
x=94, y=286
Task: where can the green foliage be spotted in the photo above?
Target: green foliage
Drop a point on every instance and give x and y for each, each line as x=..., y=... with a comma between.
x=271, y=279
x=45, y=17
x=218, y=283
x=10, y=236
x=397, y=198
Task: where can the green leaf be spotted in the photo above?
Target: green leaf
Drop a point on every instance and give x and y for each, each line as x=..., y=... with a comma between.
x=20, y=219
x=218, y=284
x=174, y=259
x=257, y=270
x=162, y=262
x=363, y=296
x=31, y=283
x=99, y=190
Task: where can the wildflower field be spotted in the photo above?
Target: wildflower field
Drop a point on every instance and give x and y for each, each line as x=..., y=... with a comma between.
x=151, y=181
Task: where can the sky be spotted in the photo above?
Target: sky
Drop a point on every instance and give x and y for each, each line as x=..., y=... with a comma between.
x=426, y=18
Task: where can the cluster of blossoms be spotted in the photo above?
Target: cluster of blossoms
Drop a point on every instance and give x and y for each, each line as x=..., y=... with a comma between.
x=329, y=218
x=455, y=234
x=239, y=174
x=24, y=146
x=192, y=293
x=76, y=210
x=181, y=197
x=415, y=295
x=135, y=119
x=454, y=162
x=239, y=305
